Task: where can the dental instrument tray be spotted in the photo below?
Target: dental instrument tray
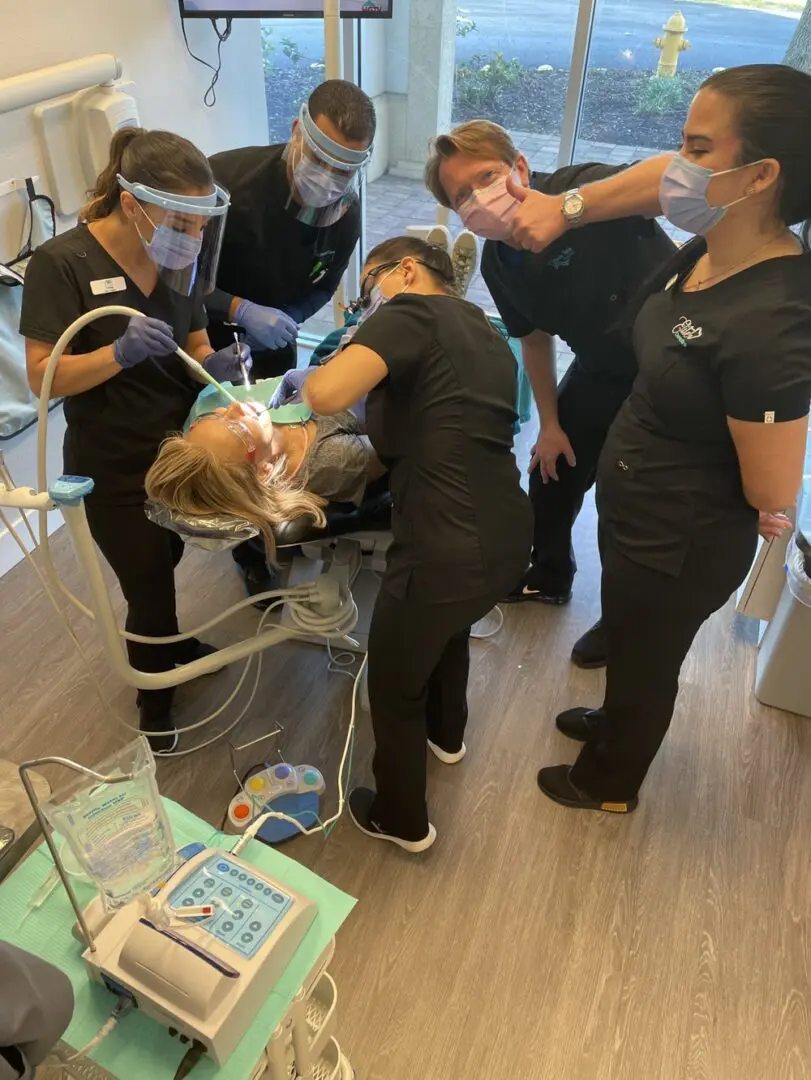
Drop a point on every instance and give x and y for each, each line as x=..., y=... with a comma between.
x=202, y=954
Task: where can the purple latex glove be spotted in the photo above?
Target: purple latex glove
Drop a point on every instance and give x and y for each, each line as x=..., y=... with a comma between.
x=226, y=365
x=266, y=327
x=143, y=337
x=290, y=386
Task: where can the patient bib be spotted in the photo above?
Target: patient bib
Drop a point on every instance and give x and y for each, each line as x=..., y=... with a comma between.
x=210, y=399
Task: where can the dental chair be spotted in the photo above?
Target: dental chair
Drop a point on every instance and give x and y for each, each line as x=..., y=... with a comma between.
x=350, y=549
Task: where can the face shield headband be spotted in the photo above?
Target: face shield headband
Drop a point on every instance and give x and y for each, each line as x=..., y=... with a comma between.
x=184, y=238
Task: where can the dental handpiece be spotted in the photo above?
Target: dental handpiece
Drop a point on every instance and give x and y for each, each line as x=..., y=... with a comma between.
x=242, y=367
x=198, y=369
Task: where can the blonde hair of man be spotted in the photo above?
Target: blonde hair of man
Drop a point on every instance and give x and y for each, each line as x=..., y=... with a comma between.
x=475, y=138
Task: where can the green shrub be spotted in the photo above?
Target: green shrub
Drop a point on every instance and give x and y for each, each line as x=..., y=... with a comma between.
x=660, y=95
x=481, y=82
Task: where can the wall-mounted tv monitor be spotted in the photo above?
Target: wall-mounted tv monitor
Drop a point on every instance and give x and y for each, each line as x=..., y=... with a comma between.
x=282, y=9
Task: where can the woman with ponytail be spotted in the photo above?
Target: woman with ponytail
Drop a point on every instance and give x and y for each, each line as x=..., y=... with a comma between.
x=147, y=239
x=711, y=443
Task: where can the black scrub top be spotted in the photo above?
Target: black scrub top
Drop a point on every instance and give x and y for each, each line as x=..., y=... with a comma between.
x=114, y=430
x=669, y=476
x=268, y=256
x=578, y=287
x=442, y=422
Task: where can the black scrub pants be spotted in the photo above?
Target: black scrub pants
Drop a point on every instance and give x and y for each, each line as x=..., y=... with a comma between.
x=587, y=405
x=143, y=557
x=418, y=670
x=650, y=620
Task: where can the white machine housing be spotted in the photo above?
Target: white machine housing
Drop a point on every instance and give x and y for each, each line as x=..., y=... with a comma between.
x=206, y=978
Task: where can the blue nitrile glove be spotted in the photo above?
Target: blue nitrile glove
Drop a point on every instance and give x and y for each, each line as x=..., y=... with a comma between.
x=290, y=386
x=143, y=337
x=266, y=326
x=225, y=364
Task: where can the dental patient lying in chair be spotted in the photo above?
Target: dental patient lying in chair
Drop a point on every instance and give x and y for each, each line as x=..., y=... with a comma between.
x=267, y=460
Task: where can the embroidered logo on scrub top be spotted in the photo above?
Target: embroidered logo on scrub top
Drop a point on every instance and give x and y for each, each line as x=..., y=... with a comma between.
x=563, y=260
x=685, y=330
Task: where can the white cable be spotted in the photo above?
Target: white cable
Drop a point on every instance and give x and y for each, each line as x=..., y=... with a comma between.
x=122, y=1008
x=211, y=717
x=480, y=636
x=274, y=815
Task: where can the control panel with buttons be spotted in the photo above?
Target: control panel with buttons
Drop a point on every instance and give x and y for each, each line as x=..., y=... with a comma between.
x=248, y=908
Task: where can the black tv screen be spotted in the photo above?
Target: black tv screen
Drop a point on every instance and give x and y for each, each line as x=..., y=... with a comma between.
x=282, y=9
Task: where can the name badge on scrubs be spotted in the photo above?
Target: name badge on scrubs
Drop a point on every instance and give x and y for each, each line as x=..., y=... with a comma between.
x=103, y=286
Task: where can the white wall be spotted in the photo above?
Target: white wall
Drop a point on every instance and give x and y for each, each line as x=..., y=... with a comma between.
x=169, y=89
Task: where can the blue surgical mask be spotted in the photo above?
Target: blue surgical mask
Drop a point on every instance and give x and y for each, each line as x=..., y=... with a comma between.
x=683, y=195
x=171, y=248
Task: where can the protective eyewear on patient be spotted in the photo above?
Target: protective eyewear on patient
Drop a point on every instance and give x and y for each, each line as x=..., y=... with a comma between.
x=236, y=427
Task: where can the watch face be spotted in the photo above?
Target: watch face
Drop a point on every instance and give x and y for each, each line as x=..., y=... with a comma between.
x=573, y=204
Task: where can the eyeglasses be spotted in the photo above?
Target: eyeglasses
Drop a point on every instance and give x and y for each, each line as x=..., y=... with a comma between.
x=236, y=427
x=366, y=294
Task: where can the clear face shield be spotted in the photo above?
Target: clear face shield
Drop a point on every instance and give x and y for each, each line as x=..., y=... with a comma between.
x=324, y=174
x=182, y=234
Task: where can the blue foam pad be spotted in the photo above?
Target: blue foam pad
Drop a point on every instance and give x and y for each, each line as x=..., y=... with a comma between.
x=301, y=806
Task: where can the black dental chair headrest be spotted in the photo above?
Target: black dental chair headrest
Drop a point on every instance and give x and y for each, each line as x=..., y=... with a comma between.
x=373, y=515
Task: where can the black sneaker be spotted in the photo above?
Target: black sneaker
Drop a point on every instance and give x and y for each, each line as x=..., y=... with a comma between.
x=259, y=578
x=556, y=783
x=158, y=726
x=580, y=724
x=526, y=592
x=589, y=651
x=360, y=805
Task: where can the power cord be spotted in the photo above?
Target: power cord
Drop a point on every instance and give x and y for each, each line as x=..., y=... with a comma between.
x=210, y=96
x=123, y=1006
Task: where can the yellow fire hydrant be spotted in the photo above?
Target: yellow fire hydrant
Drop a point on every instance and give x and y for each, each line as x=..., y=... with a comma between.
x=672, y=43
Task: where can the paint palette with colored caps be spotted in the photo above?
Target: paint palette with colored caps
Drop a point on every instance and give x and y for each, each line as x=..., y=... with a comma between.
x=261, y=789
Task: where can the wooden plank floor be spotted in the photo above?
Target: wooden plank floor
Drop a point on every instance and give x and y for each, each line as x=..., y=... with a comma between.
x=531, y=941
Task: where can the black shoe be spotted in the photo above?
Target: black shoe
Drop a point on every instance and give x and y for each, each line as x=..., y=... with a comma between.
x=158, y=726
x=580, y=724
x=259, y=579
x=528, y=591
x=589, y=651
x=555, y=782
x=360, y=803
x=187, y=651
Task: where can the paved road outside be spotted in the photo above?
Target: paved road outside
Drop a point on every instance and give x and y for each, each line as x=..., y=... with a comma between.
x=541, y=32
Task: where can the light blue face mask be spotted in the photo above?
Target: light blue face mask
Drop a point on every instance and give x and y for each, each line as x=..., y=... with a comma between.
x=170, y=248
x=683, y=195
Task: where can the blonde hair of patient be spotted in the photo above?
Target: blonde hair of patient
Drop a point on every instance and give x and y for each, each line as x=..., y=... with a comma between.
x=190, y=479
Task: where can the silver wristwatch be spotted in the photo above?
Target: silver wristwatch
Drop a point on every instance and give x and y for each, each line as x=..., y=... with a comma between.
x=573, y=208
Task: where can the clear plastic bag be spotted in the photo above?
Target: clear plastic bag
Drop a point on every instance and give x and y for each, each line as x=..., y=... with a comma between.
x=118, y=830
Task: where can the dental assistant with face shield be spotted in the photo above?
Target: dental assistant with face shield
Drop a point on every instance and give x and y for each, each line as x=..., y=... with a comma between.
x=293, y=224
x=716, y=426
x=441, y=385
x=577, y=289
x=147, y=239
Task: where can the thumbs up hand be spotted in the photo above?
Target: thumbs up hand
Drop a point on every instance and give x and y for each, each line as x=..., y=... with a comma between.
x=539, y=219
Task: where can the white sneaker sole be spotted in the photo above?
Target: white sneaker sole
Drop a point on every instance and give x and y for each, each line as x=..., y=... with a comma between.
x=444, y=756
x=440, y=236
x=413, y=847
